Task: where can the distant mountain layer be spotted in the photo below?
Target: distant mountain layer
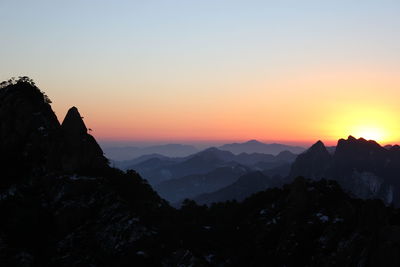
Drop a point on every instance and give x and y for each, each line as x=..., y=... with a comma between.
x=123, y=153
x=254, y=146
x=129, y=152
x=190, y=186
x=159, y=169
x=244, y=187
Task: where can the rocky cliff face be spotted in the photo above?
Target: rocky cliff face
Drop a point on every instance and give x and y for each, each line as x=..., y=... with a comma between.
x=362, y=167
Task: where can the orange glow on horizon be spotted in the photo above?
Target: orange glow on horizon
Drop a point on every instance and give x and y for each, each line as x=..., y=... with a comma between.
x=366, y=122
x=314, y=104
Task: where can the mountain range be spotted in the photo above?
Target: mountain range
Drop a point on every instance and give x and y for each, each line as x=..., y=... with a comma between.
x=254, y=146
x=159, y=169
x=363, y=168
x=131, y=153
x=63, y=205
x=121, y=153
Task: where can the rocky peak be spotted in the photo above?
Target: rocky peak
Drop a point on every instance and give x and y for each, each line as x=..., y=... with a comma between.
x=32, y=140
x=73, y=123
x=356, y=144
x=318, y=147
x=80, y=151
x=359, y=154
x=351, y=138
x=24, y=110
x=27, y=127
x=313, y=163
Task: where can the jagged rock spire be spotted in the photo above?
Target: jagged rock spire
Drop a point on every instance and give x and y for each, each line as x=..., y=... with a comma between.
x=73, y=123
x=81, y=151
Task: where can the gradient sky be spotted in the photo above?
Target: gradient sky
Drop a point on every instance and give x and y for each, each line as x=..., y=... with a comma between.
x=292, y=71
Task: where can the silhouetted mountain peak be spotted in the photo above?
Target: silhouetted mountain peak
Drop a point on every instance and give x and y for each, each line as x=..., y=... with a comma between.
x=82, y=149
x=312, y=163
x=253, y=141
x=361, y=140
x=23, y=102
x=27, y=126
x=73, y=123
x=351, y=138
x=353, y=145
x=318, y=147
x=32, y=136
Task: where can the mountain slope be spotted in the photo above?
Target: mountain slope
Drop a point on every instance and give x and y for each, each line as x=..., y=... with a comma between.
x=313, y=163
x=244, y=187
x=192, y=185
x=306, y=223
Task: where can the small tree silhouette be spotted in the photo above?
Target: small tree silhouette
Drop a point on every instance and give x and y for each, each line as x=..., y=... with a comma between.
x=24, y=80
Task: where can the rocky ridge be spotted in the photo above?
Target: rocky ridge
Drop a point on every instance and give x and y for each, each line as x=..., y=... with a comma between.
x=363, y=168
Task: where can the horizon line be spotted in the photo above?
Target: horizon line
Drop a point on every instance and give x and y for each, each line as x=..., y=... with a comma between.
x=327, y=142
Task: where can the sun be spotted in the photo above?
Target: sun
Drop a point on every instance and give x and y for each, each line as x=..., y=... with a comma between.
x=378, y=124
x=370, y=133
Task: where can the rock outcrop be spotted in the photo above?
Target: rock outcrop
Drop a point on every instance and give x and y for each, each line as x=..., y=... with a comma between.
x=362, y=167
x=28, y=130
x=32, y=139
x=312, y=163
x=61, y=204
x=80, y=151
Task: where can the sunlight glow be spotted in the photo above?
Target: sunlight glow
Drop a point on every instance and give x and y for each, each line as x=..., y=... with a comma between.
x=370, y=133
x=377, y=124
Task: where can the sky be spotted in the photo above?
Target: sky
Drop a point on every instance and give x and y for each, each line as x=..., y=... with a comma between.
x=193, y=71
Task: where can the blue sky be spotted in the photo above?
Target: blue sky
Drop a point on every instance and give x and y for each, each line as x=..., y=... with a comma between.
x=147, y=35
